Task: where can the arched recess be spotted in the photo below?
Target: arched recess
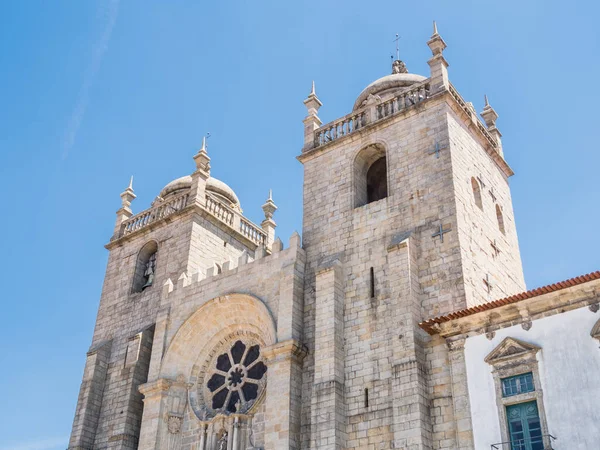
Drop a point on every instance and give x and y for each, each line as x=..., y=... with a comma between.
x=500, y=218
x=212, y=332
x=477, y=193
x=370, y=175
x=145, y=267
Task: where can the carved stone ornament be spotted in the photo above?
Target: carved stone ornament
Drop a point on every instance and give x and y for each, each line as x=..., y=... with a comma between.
x=174, y=424
x=399, y=67
x=594, y=307
x=526, y=325
x=511, y=348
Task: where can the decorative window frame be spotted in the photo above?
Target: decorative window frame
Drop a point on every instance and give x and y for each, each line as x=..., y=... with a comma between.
x=515, y=357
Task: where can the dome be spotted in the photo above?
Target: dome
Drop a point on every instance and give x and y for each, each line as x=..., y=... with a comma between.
x=217, y=187
x=387, y=85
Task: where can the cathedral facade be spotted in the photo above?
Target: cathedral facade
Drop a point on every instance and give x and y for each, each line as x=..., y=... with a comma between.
x=399, y=320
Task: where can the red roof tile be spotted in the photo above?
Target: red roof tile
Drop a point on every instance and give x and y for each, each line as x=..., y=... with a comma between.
x=430, y=323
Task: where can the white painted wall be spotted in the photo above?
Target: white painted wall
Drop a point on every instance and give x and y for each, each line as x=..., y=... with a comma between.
x=569, y=365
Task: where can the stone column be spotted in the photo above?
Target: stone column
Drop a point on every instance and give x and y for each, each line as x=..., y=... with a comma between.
x=155, y=394
x=460, y=393
x=410, y=399
x=283, y=399
x=90, y=397
x=327, y=403
x=438, y=64
x=311, y=121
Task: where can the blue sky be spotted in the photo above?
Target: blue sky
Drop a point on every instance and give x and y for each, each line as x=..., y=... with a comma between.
x=95, y=91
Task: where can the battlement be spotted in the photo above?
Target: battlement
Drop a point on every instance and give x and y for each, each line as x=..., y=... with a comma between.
x=199, y=278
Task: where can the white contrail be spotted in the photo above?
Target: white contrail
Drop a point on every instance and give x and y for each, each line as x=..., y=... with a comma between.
x=40, y=444
x=90, y=75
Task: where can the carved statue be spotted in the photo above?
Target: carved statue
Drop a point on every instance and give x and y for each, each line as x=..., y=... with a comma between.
x=399, y=67
x=149, y=271
x=222, y=443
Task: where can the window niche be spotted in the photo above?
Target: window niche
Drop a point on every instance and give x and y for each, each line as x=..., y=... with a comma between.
x=517, y=382
x=477, y=193
x=145, y=267
x=370, y=175
x=500, y=218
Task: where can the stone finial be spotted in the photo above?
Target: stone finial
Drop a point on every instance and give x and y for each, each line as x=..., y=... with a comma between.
x=202, y=159
x=438, y=64
x=436, y=43
x=124, y=212
x=269, y=207
x=311, y=121
x=127, y=196
x=490, y=116
x=312, y=102
x=268, y=225
x=199, y=177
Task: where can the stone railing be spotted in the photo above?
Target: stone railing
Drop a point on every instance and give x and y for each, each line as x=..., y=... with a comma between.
x=340, y=127
x=371, y=114
x=473, y=115
x=213, y=206
x=160, y=211
x=252, y=232
x=219, y=210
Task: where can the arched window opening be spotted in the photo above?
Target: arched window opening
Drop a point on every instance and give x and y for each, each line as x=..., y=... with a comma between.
x=377, y=181
x=145, y=267
x=370, y=175
x=218, y=269
x=500, y=218
x=477, y=193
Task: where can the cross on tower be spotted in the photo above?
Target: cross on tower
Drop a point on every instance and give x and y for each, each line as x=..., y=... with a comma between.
x=492, y=194
x=495, y=247
x=436, y=149
x=488, y=283
x=441, y=232
x=480, y=179
x=397, y=47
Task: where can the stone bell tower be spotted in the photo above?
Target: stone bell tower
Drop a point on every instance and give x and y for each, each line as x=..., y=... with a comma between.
x=407, y=215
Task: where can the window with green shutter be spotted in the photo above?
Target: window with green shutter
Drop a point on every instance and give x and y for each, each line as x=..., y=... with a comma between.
x=518, y=384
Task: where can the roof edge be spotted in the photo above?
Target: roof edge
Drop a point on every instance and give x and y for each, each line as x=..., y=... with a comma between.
x=430, y=324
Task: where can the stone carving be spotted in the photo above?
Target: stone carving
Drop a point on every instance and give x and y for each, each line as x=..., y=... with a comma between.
x=399, y=67
x=174, y=424
x=222, y=443
x=149, y=271
x=526, y=325
x=594, y=307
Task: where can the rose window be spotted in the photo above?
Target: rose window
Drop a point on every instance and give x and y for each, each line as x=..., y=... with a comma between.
x=236, y=378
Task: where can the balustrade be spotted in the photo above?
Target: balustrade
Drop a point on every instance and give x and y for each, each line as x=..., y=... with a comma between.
x=213, y=206
x=252, y=232
x=155, y=213
x=219, y=210
x=358, y=119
